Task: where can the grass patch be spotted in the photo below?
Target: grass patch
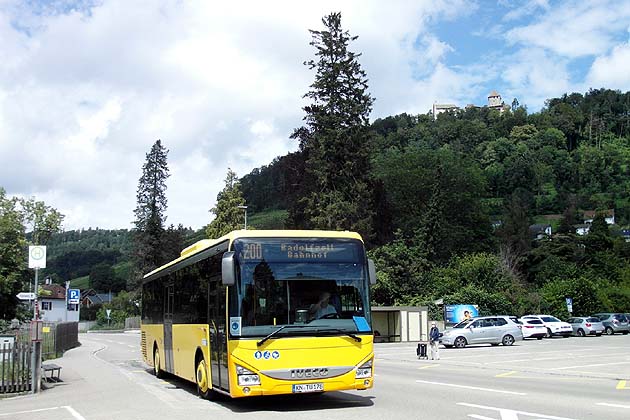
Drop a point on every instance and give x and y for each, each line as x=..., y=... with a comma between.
x=269, y=219
x=542, y=220
x=80, y=282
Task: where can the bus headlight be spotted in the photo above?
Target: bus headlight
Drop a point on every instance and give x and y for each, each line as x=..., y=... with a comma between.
x=246, y=377
x=365, y=370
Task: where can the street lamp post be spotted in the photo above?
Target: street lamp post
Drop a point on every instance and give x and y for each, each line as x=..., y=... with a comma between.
x=244, y=208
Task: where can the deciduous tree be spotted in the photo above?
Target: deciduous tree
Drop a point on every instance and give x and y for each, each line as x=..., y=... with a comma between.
x=228, y=215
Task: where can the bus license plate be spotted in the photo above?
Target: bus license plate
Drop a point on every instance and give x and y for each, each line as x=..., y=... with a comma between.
x=308, y=387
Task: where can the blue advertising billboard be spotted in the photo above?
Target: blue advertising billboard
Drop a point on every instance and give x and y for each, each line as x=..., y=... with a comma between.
x=458, y=313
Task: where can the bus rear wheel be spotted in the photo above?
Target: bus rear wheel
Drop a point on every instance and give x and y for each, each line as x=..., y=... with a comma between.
x=203, y=386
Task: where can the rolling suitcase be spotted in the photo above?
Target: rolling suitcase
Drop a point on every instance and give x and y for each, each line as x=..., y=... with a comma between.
x=421, y=350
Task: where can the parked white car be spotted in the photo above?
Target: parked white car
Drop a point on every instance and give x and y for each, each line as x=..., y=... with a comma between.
x=554, y=325
x=533, y=328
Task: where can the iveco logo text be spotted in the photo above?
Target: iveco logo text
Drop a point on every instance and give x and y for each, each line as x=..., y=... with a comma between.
x=309, y=372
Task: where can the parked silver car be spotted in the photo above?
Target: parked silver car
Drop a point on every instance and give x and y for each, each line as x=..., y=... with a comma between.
x=613, y=322
x=586, y=325
x=493, y=330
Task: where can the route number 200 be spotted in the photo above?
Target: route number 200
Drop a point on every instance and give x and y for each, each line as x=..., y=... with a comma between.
x=252, y=252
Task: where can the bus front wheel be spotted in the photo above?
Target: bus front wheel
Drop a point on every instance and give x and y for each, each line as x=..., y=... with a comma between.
x=203, y=386
x=157, y=368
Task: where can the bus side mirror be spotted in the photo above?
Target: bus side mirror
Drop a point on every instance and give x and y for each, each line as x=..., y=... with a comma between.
x=227, y=269
x=372, y=271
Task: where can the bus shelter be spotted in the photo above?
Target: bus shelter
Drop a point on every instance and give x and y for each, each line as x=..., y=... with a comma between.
x=400, y=323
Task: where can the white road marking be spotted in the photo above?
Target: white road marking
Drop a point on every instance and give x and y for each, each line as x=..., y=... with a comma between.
x=560, y=356
x=71, y=410
x=498, y=391
x=74, y=412
x=507, y=414
x=614, y=405
x=594, y=365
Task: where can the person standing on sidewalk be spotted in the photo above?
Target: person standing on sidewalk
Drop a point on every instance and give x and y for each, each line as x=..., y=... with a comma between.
x=434, y=341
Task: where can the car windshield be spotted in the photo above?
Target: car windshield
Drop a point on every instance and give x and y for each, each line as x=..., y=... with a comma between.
x=550, y=319
x=463, y=323
x=319, y=284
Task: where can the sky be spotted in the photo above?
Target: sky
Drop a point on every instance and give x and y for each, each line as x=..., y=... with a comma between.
x=87, y=86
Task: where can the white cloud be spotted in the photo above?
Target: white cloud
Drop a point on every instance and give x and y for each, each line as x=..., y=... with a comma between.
x=534, y=76
x=528, y=7
x=574, y=29
x=86, y=90
x=87, y=87
x=611, y=69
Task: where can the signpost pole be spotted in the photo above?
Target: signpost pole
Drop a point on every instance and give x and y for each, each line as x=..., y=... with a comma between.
x=36, y=260
x=35, y=306
x=67, y=291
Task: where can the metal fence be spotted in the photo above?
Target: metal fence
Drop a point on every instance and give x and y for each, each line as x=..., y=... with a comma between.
x=66, y=337
x=132, y=323
x=15, y=367
x=15, y=357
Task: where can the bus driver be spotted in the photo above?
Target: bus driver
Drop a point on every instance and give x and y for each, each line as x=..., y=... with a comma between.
x=322, y=307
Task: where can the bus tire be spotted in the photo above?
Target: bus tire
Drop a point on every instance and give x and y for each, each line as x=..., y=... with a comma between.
x=201, y=379
x=157, y=367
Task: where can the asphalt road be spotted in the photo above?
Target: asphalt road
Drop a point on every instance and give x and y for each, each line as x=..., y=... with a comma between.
x=576, y=378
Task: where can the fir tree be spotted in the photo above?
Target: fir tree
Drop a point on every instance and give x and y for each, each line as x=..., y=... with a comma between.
x=149, y=232
x=228, y=215
x=430, y=233
x=599, y=237
x=569, y=218
x=336, y=191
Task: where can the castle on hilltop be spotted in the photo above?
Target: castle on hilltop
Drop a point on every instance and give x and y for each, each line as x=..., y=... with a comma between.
x=494, y=102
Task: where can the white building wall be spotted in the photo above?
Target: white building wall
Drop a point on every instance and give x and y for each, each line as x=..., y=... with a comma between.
x=58, y=311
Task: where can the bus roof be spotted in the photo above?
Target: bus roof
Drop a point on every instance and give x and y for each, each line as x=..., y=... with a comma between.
x=236, y=234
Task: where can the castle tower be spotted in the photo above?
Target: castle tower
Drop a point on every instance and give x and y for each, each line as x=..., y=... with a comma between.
x=494, y=100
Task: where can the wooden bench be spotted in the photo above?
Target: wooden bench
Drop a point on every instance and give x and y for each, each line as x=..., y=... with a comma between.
x=54, y=370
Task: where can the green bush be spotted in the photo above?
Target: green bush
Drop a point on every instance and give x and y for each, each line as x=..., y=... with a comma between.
x=489, y=303
x=582, y=290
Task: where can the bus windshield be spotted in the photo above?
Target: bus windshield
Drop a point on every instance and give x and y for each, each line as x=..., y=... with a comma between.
x=319, y=285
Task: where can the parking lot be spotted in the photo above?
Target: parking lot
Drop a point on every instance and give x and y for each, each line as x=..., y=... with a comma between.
x=595, y=357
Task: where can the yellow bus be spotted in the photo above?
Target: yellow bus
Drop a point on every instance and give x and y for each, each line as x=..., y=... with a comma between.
x=263, y=312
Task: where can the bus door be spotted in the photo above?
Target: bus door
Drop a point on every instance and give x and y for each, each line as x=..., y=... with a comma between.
x=168, y=327
x=218, y=342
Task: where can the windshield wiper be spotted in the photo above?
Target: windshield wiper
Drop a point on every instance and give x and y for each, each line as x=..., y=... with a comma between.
x=261, y=342
x=349, y=334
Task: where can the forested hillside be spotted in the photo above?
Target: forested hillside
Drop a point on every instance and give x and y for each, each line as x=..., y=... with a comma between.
x=453, y=199
x=102, y=257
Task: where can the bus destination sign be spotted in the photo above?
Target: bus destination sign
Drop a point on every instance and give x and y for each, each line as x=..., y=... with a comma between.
x=296, y=250
x=307, y=251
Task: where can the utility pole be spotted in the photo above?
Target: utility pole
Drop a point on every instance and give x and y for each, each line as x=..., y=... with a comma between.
x=244, y=208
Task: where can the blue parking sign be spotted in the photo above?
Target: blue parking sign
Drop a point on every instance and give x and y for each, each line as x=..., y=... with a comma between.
x=569, y=304
x=74, y=295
